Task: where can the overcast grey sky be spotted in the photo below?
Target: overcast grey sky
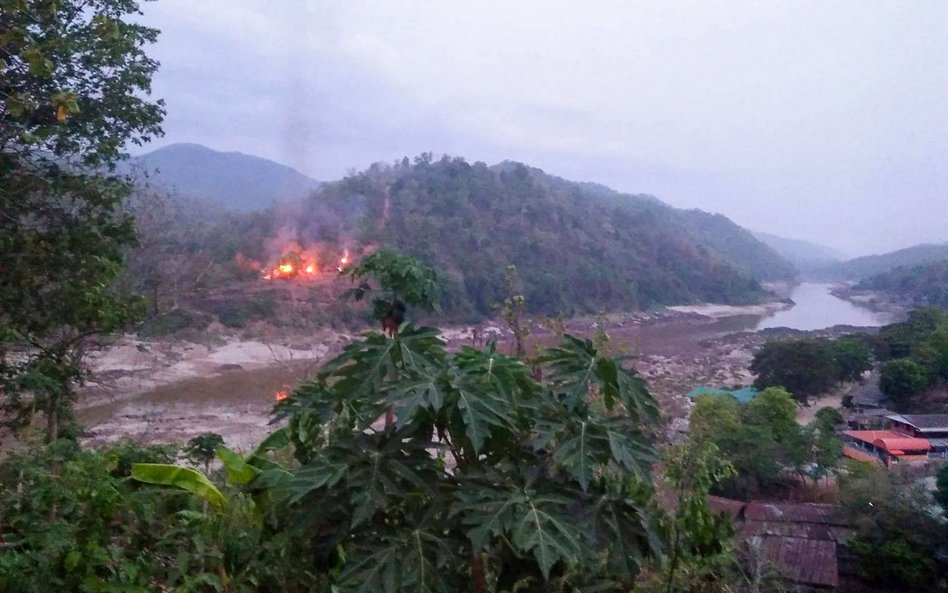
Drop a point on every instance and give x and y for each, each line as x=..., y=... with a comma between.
x=819, y=120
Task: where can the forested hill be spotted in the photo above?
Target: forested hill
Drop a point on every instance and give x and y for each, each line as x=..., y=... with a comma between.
x=925, y=284
x=715, y=232
x=863, y=267
x=577, y=247
x=231, y=179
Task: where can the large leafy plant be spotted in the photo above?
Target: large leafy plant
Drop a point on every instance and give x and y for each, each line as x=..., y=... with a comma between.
x=486, y=479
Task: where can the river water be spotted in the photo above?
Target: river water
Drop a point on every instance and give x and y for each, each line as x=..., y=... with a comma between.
x=816, y=308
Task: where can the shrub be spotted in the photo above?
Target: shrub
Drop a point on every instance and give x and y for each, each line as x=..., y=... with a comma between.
x=173, y=322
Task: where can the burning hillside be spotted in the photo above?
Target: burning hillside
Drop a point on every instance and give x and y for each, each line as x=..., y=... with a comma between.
x=301, y=264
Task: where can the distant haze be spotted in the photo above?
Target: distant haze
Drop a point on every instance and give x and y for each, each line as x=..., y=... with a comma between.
x=824, y=121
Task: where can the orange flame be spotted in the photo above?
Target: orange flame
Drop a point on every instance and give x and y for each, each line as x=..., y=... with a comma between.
x=286, y=268
x=310, y=269
x=281, y=395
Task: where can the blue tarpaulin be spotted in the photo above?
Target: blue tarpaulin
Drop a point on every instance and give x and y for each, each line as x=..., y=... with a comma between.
x=743, y=395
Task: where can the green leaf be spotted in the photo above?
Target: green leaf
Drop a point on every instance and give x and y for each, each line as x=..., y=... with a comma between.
x=580, y=453
x=535, y=524
x=547, y=532
x=239, y=472
x=411, y=560
x=184, y=478
x=71, y=561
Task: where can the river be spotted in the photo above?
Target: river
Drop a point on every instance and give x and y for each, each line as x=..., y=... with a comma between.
x=817, y=308
x=237, y=403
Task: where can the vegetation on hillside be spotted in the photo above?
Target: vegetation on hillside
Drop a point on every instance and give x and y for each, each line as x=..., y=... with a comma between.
x=870, y=265
x=924, y=284
x=913, y=355
x=576, y=251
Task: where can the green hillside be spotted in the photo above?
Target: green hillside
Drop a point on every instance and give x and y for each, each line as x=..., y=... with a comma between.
x=925, y=284
x=578, y=247
x=863, y=267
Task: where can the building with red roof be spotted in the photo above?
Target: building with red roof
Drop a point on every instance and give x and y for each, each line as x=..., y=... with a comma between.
x=884, y=446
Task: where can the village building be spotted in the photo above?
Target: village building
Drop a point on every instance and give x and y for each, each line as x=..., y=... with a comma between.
x=931, y=427
x=804, y=542
x=884, y=447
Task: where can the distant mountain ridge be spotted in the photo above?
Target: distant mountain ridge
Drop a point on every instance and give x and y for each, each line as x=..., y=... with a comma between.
x=805, y=255
x=231, y=179
x=870, y=265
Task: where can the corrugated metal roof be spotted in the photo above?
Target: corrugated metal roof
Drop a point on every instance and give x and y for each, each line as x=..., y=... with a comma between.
x=798, y=538
x=825, y=514
x=804, y=561
x=730, y=507
x=893, y=442
x=834, y=533
x=923, y=422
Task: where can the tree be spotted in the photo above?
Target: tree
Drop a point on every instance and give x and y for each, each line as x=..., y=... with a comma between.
x=803, y=367
x=697, y=536
x=402, y=280
x=513, y=311
x=774, y=409
x=852, y=357
x=203, y=448
x=486, y=479
x=901, y=379
x=73, y=85
x=714, y=414
x=897, y=537
x=763, y=441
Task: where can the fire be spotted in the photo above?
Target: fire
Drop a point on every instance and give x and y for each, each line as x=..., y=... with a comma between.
x=281, y=395
x=298, y=262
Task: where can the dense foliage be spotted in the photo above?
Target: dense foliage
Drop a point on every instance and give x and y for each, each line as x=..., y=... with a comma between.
x=763, y=441
x=73, y=85
x=810, y=366
x=485, y=477
x=913, y=354
x=898, y=536
x=924, y=284
x=577, y=250
x=72, y=520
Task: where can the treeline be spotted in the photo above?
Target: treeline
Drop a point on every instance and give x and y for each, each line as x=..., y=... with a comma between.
x=924, y=284
x=911, y=357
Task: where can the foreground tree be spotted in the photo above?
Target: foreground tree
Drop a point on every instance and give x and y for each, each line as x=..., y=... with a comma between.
x=485, y=479
x=73, y=82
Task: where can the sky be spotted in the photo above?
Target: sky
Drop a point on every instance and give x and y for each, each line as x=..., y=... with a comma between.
x=824, y=121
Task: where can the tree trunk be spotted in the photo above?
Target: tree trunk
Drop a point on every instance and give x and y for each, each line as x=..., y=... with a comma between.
x=52, y=422
x=477, y=574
